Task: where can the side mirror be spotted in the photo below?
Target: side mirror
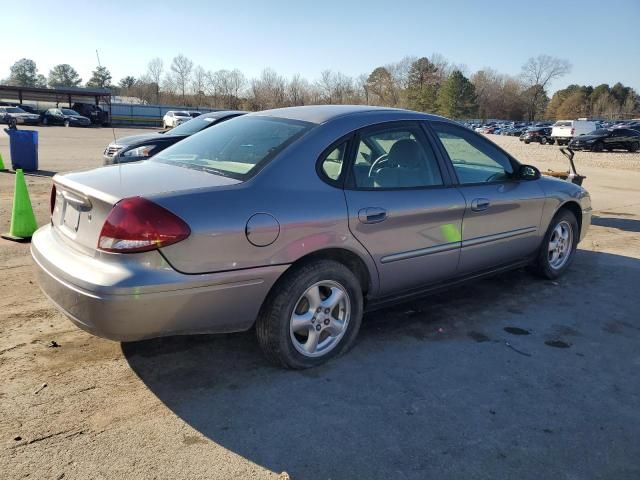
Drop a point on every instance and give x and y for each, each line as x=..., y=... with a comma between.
x=528, y=172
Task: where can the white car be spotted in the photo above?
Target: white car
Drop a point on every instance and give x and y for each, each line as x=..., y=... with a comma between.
x=564, y=131
x=173, y=118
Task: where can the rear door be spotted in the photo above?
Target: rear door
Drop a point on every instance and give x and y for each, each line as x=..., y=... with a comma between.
x=402, y=206
x=502, y=215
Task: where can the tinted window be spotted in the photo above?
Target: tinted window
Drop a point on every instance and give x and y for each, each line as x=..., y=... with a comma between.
x=474, y=159
x=235, y=147
x=395, y=157
x=193, y=126
x=333, y=162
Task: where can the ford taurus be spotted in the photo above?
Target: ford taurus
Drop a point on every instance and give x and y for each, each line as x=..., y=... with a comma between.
x=297, y=220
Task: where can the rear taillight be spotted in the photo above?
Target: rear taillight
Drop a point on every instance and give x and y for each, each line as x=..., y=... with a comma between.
x=139, y=225
x=52, y=199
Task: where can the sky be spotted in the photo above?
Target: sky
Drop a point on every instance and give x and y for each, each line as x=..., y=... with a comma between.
x=600, y=38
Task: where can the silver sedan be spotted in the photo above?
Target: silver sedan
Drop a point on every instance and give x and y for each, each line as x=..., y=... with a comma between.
x=297, y=220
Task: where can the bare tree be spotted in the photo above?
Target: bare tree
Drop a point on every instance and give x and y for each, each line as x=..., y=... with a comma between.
x=198, y=84
x=154, y=74
x=539, y=72
x=297, y=90
x=181, y=67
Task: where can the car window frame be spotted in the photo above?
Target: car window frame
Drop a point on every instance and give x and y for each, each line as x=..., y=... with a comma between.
x=515, y=164
x=425, y=137
x=340, y=181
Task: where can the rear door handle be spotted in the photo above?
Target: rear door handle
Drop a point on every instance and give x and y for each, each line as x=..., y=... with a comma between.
x=372, y=215
x=480, y=204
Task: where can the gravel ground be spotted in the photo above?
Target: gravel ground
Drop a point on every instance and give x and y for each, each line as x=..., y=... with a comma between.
x=471, y=383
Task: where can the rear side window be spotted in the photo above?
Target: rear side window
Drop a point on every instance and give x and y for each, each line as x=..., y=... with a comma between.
x=395, y=157
x=236, y=147
x=333, y=162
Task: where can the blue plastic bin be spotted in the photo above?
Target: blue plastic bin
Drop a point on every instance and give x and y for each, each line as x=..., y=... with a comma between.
x=23, y=146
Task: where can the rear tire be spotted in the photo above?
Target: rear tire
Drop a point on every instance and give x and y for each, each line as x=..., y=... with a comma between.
x=634, y=147
x=597, y=147
x=557, y=250
x=290, y=312
x=543, y=141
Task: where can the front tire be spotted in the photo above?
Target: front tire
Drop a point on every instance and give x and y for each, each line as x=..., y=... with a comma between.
x=634, y=147
x=598, y=147
x=558, y=246
x=312, y=315
x=543, y=141
x=66, y=123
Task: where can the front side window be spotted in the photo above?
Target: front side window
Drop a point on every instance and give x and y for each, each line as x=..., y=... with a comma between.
x=236, y=147
x=474, y=159
x=395, y=157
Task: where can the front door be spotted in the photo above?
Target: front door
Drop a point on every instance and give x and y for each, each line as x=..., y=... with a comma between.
x=502, y=215
x=401, y=209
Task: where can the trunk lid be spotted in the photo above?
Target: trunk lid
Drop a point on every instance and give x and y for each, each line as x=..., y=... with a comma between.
x=84, y=199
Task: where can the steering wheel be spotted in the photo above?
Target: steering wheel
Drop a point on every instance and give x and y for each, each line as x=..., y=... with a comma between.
x=381, y=159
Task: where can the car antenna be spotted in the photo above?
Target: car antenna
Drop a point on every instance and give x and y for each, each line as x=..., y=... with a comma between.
x=113, y=129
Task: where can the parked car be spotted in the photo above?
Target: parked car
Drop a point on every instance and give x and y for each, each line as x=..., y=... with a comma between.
x=93, y=112
x=64, y=116
x=564, y=130
x=146, y=145
x=542, y=135
x=634, y=125
x=297, y=220
x=174, y=118
x=20, y=116
x=194, y=114
x=608, y=139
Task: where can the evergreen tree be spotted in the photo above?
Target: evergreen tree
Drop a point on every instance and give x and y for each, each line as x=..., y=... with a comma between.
x=100, y=78
x=64, y=75
x=24, y=73
x=457, y=97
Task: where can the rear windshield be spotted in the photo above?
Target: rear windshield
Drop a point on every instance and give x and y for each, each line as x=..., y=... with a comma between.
x=236, y=147
x=182, y=114
x=562, y=124
x=66, y=111
x=192, y=126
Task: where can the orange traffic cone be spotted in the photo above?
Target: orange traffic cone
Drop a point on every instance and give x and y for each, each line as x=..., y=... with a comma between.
x=23, y=221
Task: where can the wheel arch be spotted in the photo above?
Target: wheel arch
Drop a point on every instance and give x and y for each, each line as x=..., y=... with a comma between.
x=573, y=207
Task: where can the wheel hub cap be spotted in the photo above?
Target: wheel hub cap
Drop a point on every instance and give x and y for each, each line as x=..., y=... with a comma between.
x=320, y=318
x=560, y=245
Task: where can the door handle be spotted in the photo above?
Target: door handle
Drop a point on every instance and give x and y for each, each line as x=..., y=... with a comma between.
x=372, y=215
x=480, y=204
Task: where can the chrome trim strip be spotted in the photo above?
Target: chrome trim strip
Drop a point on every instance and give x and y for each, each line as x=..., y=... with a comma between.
x=498, y=236
x=445, y=247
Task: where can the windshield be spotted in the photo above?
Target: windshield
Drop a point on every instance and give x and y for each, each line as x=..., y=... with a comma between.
x=235, y=147
x=181, y=114
x=14, y=110
x=68, y=111
x=192, y=126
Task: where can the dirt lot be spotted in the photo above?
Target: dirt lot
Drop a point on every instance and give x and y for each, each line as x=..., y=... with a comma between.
x=433, y=389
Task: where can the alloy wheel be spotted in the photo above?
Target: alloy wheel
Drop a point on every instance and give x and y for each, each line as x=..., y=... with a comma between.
x=320, y=318
x=560, y=245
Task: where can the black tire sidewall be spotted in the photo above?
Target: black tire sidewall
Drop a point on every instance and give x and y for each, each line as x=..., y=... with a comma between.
x=273, y=321
x=542, y=263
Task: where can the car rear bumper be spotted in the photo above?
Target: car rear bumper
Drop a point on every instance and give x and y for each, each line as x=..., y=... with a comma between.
x=133, y=300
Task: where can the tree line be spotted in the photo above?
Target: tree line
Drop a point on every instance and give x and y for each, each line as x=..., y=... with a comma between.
x=432, y=85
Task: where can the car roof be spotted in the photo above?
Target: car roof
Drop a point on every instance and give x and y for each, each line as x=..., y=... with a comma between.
x=324, y=113
x=221, y=114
